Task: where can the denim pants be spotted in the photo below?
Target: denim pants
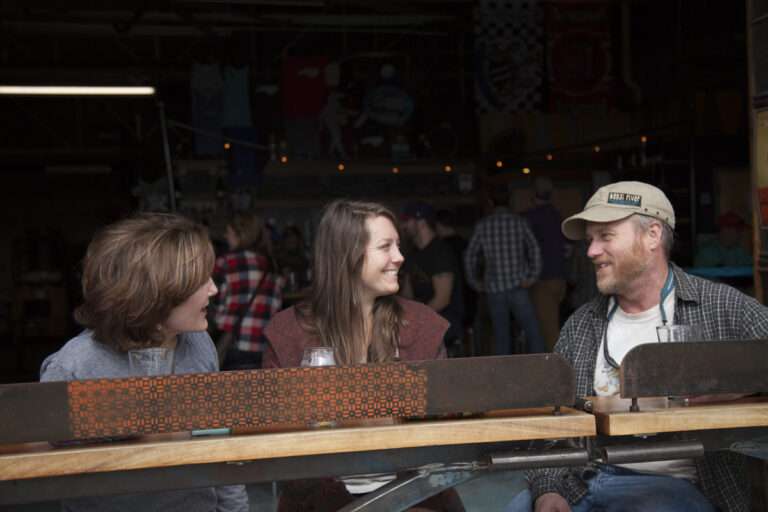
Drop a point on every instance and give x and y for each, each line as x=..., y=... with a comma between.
x=615, y=489
x=518, y=302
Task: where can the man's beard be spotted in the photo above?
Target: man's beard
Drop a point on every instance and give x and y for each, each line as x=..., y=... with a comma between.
x=626, y=271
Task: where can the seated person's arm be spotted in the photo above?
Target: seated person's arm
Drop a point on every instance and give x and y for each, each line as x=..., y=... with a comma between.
x=471, y=261
x=551, y=502
x=443, y=285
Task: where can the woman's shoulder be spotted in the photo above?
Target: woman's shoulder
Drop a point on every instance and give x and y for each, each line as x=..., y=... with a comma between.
x=82, y=357
x=419, y=314
x=421, y=331
x=284, y=321
x=287, y=340
x=82, y=347
x=196, y=353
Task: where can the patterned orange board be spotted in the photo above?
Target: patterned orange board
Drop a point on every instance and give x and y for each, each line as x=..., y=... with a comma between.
x=244, y=399
x=275, y=398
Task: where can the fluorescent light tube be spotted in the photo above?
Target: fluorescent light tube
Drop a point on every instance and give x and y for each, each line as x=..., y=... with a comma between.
x=75, y=90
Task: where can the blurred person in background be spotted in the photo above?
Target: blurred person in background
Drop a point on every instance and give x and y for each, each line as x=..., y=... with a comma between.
x=445, y=226
x=549, y=290
x=505, y=245
x=292, y=258
x=433, y=272
x=250, y=292
x=728, y=249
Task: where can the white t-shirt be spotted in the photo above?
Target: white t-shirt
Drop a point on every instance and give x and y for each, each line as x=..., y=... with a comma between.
x=626, y=331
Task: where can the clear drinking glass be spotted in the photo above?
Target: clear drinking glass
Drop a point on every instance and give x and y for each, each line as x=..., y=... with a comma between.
x=679, y=332
x=151, y=361
x=318, y=356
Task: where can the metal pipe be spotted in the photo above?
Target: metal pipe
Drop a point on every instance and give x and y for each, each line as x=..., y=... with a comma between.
x=167, y=156
x=539, y=459
x=645, y=452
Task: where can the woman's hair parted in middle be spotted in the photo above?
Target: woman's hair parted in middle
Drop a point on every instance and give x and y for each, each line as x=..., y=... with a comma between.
x=333, y=310
x=136, y=271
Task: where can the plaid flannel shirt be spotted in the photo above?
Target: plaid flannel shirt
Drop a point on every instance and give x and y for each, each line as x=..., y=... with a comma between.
x=725, y=314
x=509, y=252
x=237, y=274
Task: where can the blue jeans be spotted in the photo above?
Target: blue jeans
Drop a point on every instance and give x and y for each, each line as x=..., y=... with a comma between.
x=518, y=302
x=615, y=489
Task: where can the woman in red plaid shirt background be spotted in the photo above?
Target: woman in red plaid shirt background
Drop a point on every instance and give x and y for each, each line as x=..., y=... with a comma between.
x=250, y=292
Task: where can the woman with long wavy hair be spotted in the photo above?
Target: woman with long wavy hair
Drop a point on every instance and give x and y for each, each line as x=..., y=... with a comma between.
x=352, y=308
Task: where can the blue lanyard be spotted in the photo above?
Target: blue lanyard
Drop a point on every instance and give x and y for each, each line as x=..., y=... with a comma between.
x=669, y=285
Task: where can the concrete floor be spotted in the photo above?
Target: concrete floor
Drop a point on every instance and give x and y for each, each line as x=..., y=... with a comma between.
x=487, y=493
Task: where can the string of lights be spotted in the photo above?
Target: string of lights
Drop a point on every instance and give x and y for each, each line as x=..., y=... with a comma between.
x=635, y=146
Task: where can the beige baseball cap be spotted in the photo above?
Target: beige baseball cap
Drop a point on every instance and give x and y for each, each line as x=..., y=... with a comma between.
x=618, y=201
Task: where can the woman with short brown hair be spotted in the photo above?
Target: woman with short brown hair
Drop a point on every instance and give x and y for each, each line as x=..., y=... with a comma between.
x=136, y=271
x=146, y=283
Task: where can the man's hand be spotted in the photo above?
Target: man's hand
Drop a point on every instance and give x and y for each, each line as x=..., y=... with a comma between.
x=551, y=502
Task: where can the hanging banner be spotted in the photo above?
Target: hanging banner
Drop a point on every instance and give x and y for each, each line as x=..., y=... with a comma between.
x=580, y=63
x=509, y=56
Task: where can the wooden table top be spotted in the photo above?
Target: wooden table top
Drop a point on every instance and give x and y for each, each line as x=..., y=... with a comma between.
x=656, y=416
x=32, y=460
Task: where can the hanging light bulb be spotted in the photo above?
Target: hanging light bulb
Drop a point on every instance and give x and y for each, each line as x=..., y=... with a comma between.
x=549, y=156
x=395, y=170
x=596, y=149
x=526, y=170
x=284, y=159
x=341, y=167
x=499, y=163
x=448, y=168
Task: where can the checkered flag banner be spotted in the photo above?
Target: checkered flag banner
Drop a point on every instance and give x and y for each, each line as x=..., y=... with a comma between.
x=509, y=55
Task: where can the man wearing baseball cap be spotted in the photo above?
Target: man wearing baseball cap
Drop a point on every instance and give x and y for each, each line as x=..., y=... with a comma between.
x=629, y=230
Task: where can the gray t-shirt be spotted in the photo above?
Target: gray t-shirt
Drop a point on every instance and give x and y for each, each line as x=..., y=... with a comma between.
x=84, y=358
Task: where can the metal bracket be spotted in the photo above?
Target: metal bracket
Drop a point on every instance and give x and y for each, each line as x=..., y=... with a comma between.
x=414, y=487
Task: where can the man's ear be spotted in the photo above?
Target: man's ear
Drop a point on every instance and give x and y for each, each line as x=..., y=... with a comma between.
x=655, y=232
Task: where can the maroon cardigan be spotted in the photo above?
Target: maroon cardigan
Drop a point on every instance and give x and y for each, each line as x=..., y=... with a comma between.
x=421, y=336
